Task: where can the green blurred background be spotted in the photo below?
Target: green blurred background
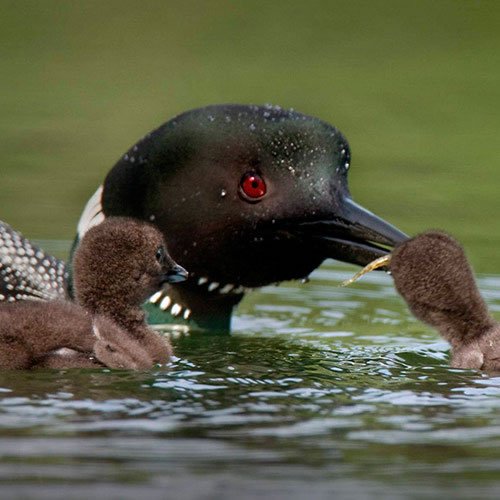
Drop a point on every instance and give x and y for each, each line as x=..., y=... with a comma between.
x=414, y=85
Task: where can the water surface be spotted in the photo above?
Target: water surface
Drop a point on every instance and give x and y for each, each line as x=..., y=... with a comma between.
x=319, y=392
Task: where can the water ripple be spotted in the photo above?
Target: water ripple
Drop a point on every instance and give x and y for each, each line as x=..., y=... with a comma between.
x=324, y=382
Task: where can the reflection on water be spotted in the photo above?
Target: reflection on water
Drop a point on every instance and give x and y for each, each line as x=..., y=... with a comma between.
x=318, y=391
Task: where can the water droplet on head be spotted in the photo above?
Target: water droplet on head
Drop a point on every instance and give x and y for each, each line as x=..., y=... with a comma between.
x=223, y=193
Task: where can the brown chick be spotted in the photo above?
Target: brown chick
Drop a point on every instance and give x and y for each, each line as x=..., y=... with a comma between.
x=118, y=265
x=32, y=333
x=432, y=274
x=136, y=264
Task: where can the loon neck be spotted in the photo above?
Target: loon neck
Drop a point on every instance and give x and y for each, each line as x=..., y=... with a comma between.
x=193, y=306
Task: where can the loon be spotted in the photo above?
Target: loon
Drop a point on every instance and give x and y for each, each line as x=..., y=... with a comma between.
x=432, y=274
x=117, y=266
x=248, y=196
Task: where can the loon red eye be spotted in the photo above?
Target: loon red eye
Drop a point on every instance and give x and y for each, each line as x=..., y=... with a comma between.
x=253, y=186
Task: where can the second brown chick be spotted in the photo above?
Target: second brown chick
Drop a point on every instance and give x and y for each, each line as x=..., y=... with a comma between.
x=433, y=275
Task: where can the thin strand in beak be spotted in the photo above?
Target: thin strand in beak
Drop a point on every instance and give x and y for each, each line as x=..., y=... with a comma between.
x=374, y=264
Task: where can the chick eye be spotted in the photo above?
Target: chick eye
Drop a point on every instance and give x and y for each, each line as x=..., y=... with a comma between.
x=160, y=255
x=253, y=186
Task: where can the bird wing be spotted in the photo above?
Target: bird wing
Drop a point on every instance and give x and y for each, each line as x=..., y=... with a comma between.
x=26, y=271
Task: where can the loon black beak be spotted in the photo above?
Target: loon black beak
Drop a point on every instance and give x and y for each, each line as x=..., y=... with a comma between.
x=354, y=235
x=175, y=274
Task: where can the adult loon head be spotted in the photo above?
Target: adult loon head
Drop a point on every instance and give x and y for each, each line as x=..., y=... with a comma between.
x=247, y=196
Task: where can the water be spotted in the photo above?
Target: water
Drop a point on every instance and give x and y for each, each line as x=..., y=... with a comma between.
x=319, y=391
